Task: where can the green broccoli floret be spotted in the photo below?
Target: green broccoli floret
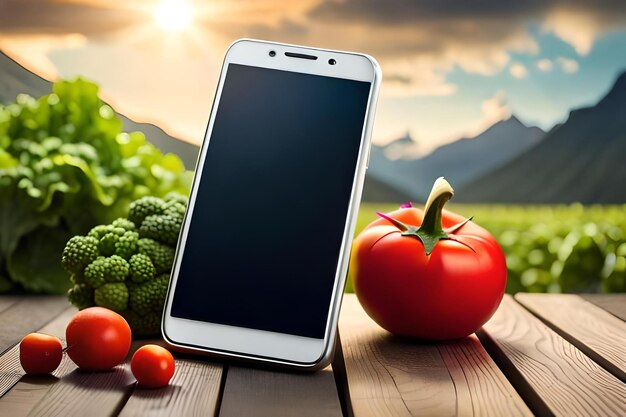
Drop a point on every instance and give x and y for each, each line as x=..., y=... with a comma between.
x=126, y=245
x=81, y=296
x=125, y=266
x=144, y=207
x=163, y=228
x=107, y=244
x=113, y=296
x=174, y=197
x=79, y=252
x=99, y=231
x=143, y=325
x=150, y=296
x=124, y=224
x=106, y=270
x=78, y=278
x=162, y=256
x=141, y=268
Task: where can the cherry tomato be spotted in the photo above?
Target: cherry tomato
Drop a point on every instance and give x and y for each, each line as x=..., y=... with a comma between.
x=153, y=366
x=445, y=289
x=98, y=339
x=40, y=353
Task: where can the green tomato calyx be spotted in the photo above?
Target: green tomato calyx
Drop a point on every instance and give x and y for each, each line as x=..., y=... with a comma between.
x=431, y=230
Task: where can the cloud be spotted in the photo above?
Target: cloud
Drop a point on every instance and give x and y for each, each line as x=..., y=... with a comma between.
x=518, y=70
x=418, y=43
x=416, y=77
x=544, y=65
x=32, y=50
x=568, y=66
x=60, y=17
x=493, y=110
x=579, y=23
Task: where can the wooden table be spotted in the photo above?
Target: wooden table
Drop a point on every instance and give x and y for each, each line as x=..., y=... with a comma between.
x=541, y=354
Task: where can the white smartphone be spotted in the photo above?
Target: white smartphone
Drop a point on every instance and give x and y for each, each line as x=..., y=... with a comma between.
x=263, y=253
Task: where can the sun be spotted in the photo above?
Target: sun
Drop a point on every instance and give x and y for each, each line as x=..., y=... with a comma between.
x=173, y=15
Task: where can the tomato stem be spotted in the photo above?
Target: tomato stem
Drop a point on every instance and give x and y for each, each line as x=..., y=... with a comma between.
x=431, y=231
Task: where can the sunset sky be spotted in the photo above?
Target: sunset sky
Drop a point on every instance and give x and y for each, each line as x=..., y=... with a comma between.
x=451, y=68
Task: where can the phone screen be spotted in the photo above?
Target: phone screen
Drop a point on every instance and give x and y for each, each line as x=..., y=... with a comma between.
x=270, y=210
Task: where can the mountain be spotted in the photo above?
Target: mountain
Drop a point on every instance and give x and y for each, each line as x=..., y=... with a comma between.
x=15, y=79
x=378, y=191
x=459, y=162
x=582, y=160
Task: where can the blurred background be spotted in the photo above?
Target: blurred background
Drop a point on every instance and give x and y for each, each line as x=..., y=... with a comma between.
x=520, y=105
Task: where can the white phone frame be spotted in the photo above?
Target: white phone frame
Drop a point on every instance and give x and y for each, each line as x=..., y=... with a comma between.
x=258, y=345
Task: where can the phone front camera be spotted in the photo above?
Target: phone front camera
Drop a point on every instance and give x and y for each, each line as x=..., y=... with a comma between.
x=332, y=61
x=272, y=53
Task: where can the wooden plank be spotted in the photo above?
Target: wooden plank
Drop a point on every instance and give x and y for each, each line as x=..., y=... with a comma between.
x=260, y=393
x=7, y=301
x=599, y=334
x=27, y=315
x=193, y=391
x=390, y=376
x=476, y=376
x=91, y=394
x=85, y=393
x=10, y=369
x=613, y=303
x=553, y=376
x=30, y=389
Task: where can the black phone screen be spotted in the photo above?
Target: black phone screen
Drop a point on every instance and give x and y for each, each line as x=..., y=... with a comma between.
x=271, y=206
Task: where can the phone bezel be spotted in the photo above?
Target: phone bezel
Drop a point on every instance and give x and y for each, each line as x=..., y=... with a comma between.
x=230, y=341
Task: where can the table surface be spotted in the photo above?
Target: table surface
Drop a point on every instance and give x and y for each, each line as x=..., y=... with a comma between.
x=541, y=354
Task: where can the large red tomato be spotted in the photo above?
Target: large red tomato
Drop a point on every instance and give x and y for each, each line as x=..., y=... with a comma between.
x=434, y=276
x=98, y=339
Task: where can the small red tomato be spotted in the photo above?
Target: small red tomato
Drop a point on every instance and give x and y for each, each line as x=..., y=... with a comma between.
x=153, y=366
x=98, y=339
x=40, y=353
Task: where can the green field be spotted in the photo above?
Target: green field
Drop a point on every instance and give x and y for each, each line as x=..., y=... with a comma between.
x=562, y=248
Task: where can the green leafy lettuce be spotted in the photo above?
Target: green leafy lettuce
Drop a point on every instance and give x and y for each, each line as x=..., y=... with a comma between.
x=66, y=166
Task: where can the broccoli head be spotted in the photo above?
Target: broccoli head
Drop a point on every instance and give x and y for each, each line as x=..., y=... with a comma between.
x=162, y=256
x=126, y=245
x=125, y=266
x=141, y=268
x=81, y=296
x=144, y=207
x=79, y=252
x=112, y=296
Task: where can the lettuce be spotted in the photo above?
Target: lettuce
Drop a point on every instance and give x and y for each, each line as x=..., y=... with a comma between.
x=66, y=166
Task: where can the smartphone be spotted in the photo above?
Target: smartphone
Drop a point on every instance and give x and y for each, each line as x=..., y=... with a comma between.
x=263, y=253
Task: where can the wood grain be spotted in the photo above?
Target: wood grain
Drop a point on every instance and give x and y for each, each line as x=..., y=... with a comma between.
x=260, y=393
x=553, y=376
x=10, y=369
x=193, y=391
x=31, y=389
x=83, y=393
x=599, y=334
x=478, y=381
x=7, y=301
x=389, y=376
x=613, y=303
x=27, y=315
